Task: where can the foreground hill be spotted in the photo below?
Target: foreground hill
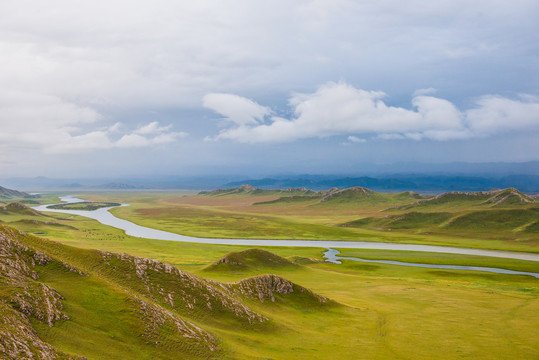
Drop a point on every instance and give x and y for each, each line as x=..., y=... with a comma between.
x=58, y=302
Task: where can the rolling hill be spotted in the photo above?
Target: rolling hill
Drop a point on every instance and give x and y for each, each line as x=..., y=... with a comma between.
x=500, y=213
x=247, y=189
x=487, y=199
x=251, y=259
x=58, y=302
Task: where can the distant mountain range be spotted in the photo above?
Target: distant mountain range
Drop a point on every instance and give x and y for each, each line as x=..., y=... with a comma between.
x=430, y=178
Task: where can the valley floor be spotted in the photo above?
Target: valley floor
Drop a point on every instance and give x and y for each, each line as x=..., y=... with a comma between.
x=385, y=312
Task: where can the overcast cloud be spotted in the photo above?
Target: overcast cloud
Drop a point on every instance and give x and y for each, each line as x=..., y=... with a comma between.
x=244, y=73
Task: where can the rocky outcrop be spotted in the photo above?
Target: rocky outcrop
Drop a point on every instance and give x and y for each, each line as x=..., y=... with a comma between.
x=492, y=197
x=19, y=340
x=265, y=287
x=353, y=191
x=29, y=296
x=184, y=292
x=243, y=189
x=168, y=308
x=23, y=297
x=509, y=194
x=155, y=318
x=41, y=302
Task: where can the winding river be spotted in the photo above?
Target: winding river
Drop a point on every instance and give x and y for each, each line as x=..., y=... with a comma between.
x=104, y=216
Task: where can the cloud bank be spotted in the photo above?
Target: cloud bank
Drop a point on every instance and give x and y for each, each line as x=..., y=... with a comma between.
x=341, y=109
x=50, y=124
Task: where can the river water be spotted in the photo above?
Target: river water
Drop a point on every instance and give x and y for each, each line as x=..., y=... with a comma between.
x=104, y=216
x=331, y=256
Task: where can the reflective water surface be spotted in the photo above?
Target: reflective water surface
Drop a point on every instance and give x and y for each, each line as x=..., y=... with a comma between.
x=331, y=256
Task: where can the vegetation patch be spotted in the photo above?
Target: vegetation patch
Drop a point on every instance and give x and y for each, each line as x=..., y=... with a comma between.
x=86, y=205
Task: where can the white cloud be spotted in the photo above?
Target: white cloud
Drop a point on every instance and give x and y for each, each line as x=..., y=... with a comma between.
x=340, y=109
x=427, y=91
x=355, y=139
x=494, y=114
x=236, y=109
x=152, y=128
x=50, y=124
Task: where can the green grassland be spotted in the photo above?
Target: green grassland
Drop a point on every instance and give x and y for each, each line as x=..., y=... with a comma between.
x=383, y=312
x=454, y=220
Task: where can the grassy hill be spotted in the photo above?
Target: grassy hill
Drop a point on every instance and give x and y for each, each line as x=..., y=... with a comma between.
x=9, y=194
x=509, y=197
x=360, y=196
x=16, y=208
x=492, y=223
x=247, y=189
x=249, y=260
x=64, y=302
x=354, y=196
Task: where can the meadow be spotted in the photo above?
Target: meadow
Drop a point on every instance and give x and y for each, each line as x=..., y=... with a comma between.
x=382, y=312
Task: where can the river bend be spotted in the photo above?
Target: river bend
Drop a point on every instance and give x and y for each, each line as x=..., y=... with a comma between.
x=104, y=216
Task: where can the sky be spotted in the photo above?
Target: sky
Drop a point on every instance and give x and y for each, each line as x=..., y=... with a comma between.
x=117, y=88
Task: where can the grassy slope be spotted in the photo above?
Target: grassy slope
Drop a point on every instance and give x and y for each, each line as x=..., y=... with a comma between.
x=417, y=313
x=104, y=323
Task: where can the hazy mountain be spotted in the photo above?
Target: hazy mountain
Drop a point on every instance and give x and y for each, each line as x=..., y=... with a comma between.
x=8, y=193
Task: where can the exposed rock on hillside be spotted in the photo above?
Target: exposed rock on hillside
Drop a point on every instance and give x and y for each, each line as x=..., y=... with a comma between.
x=187, y=293
x=41, y=302
x=509, y=195
x=357, y=191
x=156, y=317
x=159, y=303
x=22, y=297
x=249, y=189
x=19, y=340
x=243, y=189
x=267, y=286
x=493, y=197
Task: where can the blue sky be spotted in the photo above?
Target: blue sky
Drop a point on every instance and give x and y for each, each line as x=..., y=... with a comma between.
x=111, y=88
